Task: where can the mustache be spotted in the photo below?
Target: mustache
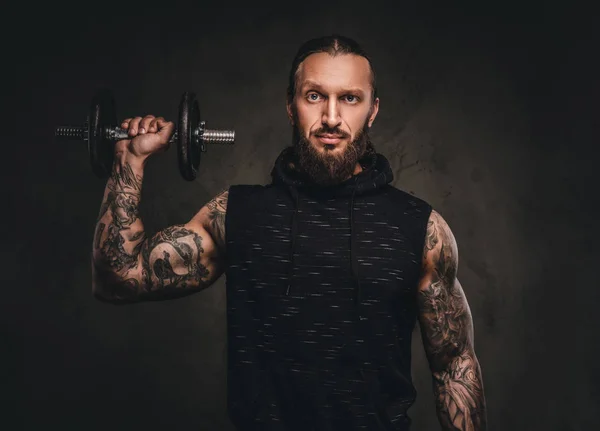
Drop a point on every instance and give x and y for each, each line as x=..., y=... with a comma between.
x=331, y=131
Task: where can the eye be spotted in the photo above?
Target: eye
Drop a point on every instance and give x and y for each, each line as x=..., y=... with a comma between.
x=351, y=98
x=313, y=97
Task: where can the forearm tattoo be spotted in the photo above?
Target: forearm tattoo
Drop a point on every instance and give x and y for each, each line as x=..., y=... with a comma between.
x=217, y=210
x=119, y=232
x=460, y=400
x=447, y=330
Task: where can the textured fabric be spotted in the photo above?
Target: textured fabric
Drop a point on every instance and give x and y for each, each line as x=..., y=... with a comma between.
x=321, y=300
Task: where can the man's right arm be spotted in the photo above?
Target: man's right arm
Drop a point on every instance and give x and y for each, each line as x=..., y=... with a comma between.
x=127, y=266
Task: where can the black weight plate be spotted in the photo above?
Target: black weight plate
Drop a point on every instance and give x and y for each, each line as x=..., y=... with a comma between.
x=187, y=150
x=195, y=143
x=102, y=115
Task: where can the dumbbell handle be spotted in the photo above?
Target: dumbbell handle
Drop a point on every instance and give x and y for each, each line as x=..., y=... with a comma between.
x=71, y=133
x=206, y=136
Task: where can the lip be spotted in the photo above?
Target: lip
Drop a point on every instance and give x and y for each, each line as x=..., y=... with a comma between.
x=329, y=139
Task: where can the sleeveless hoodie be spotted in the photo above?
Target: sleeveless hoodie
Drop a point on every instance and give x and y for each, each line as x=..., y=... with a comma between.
x=321, y=300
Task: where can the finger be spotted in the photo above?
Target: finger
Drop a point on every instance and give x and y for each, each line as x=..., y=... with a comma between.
x=133, y=126
x=145, y=124
x=125, y=123
x=161, y=123
x=165, y=128
x=153, y=127
x=165, y=131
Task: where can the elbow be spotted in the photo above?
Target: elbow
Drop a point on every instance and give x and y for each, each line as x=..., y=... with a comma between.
x=101, y=296
x=102, y=292
x=97, y=292
x=109, y=287
x=449, y=357
x=452, y=363
x=114, y=300
x=116, y=292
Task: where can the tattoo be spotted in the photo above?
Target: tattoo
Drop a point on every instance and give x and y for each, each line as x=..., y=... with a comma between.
x=114, y=253
x=217, y=211
x=123, y=177
x=119, y=198
x=175, y=244
x=119, y=233
x=447, y=331
x=431, y=237
x=137, y=236
x=170, y=261
x=459, y=395
x=443, y=307
x=124, y=208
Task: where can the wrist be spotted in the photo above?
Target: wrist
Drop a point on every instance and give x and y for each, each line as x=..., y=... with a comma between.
x=137, y=163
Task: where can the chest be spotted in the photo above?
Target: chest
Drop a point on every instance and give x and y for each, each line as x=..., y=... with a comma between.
x=314, y=246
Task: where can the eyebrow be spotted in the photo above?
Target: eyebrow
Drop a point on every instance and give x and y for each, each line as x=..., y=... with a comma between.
x=316, y=85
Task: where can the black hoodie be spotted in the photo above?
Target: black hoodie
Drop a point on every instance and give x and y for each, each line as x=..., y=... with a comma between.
x=321, y=300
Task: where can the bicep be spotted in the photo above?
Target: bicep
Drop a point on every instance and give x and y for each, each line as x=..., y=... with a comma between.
x=212, y=218
x=444, y=314
x=183, y=259
x=177, y=261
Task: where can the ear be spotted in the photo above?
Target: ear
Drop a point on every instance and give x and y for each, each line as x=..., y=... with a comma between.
x=288, y=107
x=374, y=111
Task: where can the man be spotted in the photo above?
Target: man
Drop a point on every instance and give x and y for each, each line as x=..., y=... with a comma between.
x=328, y=268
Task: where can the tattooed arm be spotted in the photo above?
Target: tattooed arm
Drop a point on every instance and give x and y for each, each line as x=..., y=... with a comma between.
x=447, y=331
x=177, y=261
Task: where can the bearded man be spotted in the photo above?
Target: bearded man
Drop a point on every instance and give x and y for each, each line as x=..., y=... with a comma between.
x=328, y=268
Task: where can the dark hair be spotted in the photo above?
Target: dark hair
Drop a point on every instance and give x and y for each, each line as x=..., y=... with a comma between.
x=334, y=44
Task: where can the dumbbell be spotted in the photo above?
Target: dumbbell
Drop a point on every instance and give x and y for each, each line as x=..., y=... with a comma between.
x=101, y=132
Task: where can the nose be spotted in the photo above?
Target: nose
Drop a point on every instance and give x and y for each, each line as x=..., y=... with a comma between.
x=331, y=113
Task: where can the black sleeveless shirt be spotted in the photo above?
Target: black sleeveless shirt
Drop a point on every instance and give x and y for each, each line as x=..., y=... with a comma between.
x=321, y=300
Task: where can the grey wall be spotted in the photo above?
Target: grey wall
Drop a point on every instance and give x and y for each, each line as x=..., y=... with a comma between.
x=489, y=113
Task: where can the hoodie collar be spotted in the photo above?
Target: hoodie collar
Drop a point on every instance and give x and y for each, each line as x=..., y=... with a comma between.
x=376, y=173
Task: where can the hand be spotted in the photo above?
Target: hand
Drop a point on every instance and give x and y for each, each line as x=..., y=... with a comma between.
x=148, y=135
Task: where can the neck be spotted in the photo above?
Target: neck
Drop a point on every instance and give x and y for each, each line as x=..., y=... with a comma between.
x=357, y=169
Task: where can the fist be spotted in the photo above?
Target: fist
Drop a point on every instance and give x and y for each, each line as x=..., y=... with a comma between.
x=147, y=135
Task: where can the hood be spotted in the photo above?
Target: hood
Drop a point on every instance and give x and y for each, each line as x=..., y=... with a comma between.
x=376, y=173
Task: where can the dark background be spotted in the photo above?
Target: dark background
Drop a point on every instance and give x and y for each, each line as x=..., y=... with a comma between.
x=488, y=112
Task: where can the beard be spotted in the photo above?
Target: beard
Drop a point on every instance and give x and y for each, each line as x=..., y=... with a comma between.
x=327, y=168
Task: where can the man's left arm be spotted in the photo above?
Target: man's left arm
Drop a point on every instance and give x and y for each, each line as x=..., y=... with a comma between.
x=447, y=331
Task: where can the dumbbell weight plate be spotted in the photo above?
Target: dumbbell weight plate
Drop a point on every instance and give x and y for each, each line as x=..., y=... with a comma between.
x=102, y=114
x=188, y=148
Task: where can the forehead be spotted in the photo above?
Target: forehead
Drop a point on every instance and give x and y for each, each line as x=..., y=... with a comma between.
x=342, y=70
